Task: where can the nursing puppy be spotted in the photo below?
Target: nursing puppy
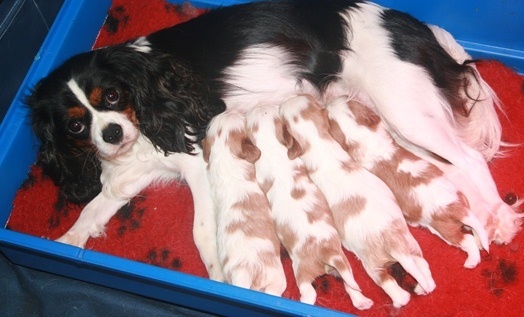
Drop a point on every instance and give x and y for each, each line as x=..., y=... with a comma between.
x=248, y=246
x=500, y=227
x=423, y=193
x=300, y=211
x=366, y=215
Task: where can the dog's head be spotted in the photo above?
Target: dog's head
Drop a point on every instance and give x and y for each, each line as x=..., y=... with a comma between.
x=96, y=104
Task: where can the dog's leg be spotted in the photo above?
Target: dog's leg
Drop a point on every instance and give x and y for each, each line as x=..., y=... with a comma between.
x=194, y=171
x=92, y=220
x=97, y=213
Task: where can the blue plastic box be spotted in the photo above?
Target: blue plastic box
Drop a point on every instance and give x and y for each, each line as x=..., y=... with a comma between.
x=488, y=29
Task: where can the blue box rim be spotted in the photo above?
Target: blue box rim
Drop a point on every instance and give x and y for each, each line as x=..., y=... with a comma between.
x=225, y=297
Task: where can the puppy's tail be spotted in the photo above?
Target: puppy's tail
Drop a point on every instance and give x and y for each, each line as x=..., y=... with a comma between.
x=418, y=268
x=480, y=128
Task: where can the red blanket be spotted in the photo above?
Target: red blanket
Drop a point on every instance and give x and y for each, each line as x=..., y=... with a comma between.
x=155, y=227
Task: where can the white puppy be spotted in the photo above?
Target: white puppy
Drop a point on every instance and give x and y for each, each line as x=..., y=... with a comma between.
x=366, y=215
x=248, y=246
x=300, y=211
x=423, y=193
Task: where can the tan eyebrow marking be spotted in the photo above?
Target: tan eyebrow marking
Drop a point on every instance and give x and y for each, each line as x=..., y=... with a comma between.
x=76, y=112
x=95, y=97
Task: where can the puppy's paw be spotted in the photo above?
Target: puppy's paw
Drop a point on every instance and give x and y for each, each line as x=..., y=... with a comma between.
x=362, y=302
x=510, y=222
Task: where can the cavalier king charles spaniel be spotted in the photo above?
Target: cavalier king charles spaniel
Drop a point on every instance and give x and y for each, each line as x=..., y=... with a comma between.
x=113, y=120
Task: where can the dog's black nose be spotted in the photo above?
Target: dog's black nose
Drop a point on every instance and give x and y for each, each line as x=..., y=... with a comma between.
x=112, y=133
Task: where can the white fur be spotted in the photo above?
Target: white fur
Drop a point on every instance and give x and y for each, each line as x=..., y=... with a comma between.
x=343, y=182
x=141, y=44
x=248, y=246
x=419, y=186
x=301, y=214
x=273, y=83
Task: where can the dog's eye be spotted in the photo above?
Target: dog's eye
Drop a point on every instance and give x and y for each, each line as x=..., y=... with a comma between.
x=112, y=96
x=75, y=126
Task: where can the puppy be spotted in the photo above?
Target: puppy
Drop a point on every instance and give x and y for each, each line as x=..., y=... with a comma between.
x=500, y=220
x=367, y=217
x=300, y=211
x=248, y=246
x=424, y=195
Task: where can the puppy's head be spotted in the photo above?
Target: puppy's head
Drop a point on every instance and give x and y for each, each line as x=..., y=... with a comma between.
x=227, y=134
x=96, y=104
x=304, y=121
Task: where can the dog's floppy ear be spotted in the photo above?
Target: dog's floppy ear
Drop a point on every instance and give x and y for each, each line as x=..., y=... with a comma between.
x=78, y=176
x=75, y=171
x=364, y=115
x=172, y=103
x=338, y=135
x=294, y=149
x=248, y=151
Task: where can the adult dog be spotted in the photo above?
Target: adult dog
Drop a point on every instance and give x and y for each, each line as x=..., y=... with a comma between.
x=110, y=119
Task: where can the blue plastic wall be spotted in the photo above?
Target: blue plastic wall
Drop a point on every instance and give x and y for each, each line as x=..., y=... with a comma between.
x=492, y=29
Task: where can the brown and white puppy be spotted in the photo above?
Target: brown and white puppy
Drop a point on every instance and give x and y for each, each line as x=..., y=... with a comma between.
x=367, y=217
x=248, y=246
x=425, y=196
x=299, y=210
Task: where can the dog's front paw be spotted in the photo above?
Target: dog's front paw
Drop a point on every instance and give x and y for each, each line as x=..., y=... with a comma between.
x=74, y=238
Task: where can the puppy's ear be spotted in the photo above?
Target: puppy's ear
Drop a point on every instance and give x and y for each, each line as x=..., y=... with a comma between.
x=249, y=151
x=336, y=132
x=294, y=149
x=207, y=142
x=364, y=115
x=281, y=133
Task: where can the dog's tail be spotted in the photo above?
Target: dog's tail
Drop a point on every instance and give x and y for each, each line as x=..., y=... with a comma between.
x=343, y=269
x=480, y=128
